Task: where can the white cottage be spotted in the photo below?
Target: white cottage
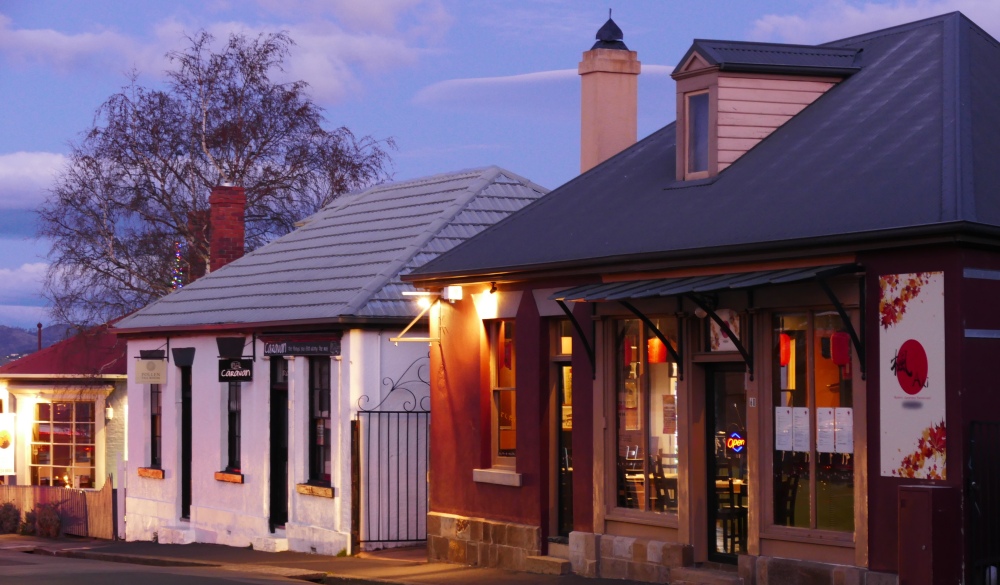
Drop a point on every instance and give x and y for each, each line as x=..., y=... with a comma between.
x=262, y=392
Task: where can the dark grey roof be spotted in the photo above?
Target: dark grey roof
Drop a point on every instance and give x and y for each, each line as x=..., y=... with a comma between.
x=906, y=145
x=345, y=261
x=775, y=58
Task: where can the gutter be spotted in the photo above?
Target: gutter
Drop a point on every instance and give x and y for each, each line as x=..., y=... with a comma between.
x=951, y=232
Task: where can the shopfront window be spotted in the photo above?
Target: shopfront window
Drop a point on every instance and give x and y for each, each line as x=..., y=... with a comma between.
x=813, y=422
x=646, y=422
x=504, y=364
x=62, y=444
x=319, y=420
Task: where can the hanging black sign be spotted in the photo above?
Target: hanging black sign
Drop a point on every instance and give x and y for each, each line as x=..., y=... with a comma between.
x=236, y=370
x=292, y=347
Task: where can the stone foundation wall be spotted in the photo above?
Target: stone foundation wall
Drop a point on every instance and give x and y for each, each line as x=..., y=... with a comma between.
x=481, y=543
x=778, y=571
x=623, y=557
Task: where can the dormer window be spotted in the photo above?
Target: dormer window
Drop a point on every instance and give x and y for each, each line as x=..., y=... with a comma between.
x=697, y=133
x=732, y=95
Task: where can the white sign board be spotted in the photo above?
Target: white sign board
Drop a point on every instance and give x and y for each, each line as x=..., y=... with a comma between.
x=912, y=375
x=150, y=372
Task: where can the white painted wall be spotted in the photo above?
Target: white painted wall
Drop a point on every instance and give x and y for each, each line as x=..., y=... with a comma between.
x=236, y=514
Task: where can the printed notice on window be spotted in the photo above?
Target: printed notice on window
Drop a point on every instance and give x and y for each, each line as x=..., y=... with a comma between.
x=800, y=430
x=782, y=428
x=844, y=430
x=825, y=441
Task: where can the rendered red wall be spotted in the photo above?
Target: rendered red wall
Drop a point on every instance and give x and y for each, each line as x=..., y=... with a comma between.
x=460, y=403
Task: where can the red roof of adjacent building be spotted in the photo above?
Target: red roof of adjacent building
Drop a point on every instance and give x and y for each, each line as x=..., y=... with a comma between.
x=94, y=352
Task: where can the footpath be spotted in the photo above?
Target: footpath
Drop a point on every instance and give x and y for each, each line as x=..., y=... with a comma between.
x=400, y=565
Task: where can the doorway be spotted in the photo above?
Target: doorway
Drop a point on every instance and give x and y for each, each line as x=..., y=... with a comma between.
x=564, y=451
x=185, y=442
x=279, y=444
x=725, y=395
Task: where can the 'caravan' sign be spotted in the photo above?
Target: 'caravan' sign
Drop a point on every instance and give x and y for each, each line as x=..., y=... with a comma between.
x=236, y=370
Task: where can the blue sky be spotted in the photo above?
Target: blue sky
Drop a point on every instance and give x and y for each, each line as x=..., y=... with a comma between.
x=456, y=83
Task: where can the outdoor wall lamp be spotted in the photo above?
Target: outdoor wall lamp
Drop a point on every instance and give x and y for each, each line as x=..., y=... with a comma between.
x=109, y=413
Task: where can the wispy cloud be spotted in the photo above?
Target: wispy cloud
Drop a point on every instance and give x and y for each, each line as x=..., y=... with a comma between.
x=26, y=177
x=838, y=19
x=491, y=89
x=24, y=316
x=22, y=285
x=337, y=42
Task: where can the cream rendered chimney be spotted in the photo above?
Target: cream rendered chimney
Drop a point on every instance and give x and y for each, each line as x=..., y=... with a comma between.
x=609, y=76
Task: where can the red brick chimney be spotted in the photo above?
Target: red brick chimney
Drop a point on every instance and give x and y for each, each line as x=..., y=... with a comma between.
x=609, y=77
x=227, y=206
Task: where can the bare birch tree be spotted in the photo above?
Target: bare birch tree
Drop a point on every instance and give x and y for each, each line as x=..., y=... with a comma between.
x=138, y=181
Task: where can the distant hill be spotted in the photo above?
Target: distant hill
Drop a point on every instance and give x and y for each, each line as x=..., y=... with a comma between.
x=16, y=342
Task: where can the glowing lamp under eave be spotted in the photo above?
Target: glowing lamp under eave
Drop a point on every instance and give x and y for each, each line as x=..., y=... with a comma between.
x=656, y=351
x=423, y=302
x=784, y=349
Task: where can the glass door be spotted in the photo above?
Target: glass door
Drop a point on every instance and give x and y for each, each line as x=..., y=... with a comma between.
x=725, y=396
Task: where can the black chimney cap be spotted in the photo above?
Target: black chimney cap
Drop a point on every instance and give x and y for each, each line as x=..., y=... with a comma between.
x=610, y=36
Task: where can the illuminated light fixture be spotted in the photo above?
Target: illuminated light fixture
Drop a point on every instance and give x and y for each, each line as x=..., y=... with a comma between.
x=451, y=293
x=840, y=348
x=656, y=351
x=784, y=349
x=109, y=413
x=424, y=302
x=493, y=287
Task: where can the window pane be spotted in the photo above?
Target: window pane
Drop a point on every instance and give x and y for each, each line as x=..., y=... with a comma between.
x=834, y=470
x=84, y=412
x=697, y=133
x=84, y=454
x=41, y=433
x=41, y=454
x=662, y=475
x=791, y=403
x=43, y=411
x=85, y=433
x=506, y=423
x=62, y=455
x=62, y=432
x=62, y=411
x=505, y=357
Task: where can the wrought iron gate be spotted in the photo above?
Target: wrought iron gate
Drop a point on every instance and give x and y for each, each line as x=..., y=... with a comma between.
x=983, y=503
x=390, y=452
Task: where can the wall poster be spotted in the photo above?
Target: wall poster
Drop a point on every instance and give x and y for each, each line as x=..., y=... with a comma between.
x=912, y=375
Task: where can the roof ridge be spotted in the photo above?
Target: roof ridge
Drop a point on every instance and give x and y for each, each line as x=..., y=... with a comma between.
x=476, y=186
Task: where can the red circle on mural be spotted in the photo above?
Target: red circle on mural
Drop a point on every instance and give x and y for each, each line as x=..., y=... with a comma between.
x=911, y=366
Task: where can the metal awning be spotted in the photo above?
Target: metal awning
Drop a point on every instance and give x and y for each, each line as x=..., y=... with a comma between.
x=662, y=287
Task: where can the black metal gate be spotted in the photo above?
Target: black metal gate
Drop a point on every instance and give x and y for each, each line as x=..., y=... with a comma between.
x=983, y=503
x=390, y=452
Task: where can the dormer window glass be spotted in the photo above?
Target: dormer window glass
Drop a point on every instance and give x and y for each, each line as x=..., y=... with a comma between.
x=697, y=132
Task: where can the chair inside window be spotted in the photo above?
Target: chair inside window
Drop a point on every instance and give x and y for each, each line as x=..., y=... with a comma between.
x=785, y=490
x=730, y=510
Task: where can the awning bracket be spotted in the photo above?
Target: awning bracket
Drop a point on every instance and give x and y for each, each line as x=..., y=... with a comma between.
x=674, y=352
x=747, y=358
x=579, y=333
x=846, y=319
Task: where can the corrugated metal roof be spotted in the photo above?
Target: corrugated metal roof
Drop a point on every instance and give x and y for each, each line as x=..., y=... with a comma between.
x=906, y=145
x=345, y=260
x=661, y=287
x=775, y=58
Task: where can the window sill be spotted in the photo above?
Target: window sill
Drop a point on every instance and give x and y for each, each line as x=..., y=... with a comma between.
x=151, y=472
x=497, y=476
x=810, y=535
x=320, y=491
x=632, y=516
x=229, y=476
